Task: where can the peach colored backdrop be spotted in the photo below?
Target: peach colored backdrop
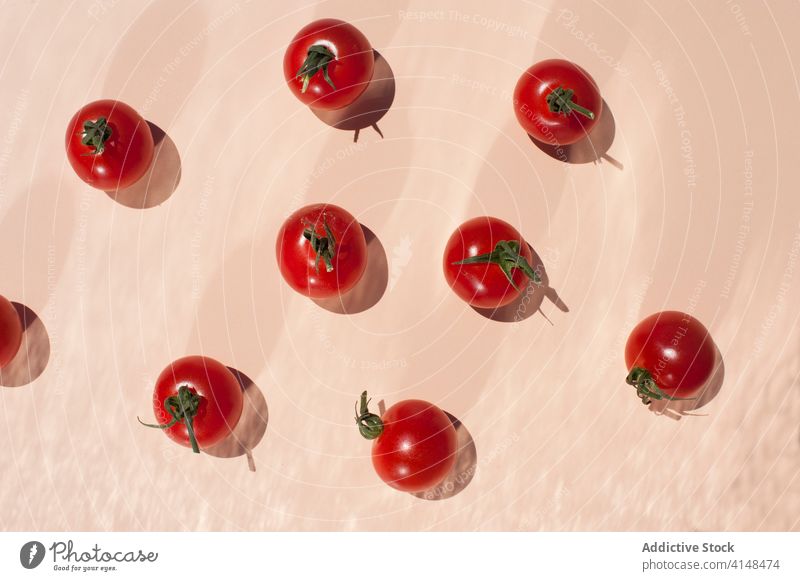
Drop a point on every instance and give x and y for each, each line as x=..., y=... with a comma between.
x=691, y=205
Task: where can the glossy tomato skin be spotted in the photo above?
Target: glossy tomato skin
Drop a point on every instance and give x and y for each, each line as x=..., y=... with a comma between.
x=10, y=332
x=675, y=348
x=533, y=112
x=296, y=256
x=417, y=448
x=483, y=285
x=351, y=71
x=220, y=407
x=127, y=154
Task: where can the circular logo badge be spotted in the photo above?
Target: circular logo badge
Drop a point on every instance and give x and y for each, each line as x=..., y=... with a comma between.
x=31, y=554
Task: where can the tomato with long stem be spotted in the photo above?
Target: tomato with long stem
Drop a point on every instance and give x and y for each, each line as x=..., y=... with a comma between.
x=414, y=443
x=487, y=263
x=197, y=402
x=669, y=355
x=557, y=102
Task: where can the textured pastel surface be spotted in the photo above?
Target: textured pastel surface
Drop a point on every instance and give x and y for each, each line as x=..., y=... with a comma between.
x=692, y=206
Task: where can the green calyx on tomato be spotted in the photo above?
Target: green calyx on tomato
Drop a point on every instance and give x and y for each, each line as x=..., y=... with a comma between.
x=369, y=425
x=646, y=387
x=319, y=56
x=95, y=135
x=560, y=101
x=183, y=408
x=324, y=246
x=505, y=255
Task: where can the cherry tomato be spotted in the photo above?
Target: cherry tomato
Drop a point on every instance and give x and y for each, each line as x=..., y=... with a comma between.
x=10, y=332
x=414, y=443
x=109, y=145
x=487, y=263
x=328, y=64
x=197, y=402
x=669, y=355
x=321, y=251
x=557, y=102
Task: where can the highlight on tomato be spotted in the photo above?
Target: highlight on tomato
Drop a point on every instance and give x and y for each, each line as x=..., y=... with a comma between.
x=487, y=263
x=557, y=102
x=109, y=145
x=10, y=332
x=414, y=443
x=328, y=64
x=197, y=402
x=321, y=251
x=670, y=355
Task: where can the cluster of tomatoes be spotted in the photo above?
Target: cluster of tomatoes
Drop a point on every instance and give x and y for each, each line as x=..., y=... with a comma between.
x=322, y=252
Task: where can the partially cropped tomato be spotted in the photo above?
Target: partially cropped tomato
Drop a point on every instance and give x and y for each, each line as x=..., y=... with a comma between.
x=10, y=332
x=197, y=402
x=414, y=443
x=669, y=355
x=109, y=145
x=557, y=102
x=487, y=263
x=328, y=64
x=321, y=251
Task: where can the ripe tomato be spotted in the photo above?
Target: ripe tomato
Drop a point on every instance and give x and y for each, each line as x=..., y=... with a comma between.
x=197, y=402
x=487, y=263
x=328, y=64
x=557, y=102
x=10, y=332
x=109, y=145
x=669, y=355
x=415, y=443
x=321, y=251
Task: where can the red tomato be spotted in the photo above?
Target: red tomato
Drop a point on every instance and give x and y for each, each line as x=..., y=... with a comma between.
x=487, y=263
x=557, y=102
x=328, y=64
x=109, y=145
x=321, y=251
x=10, y=332
x=415, y=443
x=669, y=355
x=197, y=402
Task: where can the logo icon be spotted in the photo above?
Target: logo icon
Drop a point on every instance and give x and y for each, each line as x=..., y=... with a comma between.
x=31, y=554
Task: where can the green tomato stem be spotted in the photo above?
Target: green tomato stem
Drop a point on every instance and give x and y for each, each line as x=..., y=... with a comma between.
x=560, y=101
x=369, y=425
x=182, y=407
x=318, y=58
x=646, y=387
x=95, y=135
x=506, y=255
x=324, y=246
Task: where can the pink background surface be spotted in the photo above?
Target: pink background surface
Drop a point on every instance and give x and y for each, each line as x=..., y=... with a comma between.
x=694, y=206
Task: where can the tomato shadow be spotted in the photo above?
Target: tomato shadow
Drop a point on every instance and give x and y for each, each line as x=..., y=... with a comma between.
x=370, y=288
x=463, y=470
x=251, y=428
x=160, y=181
x=676, y=409
x=371, y=105
x=34, y=352
x=529, y=301
x=592, y=148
